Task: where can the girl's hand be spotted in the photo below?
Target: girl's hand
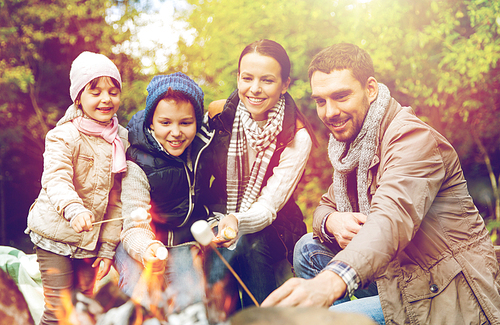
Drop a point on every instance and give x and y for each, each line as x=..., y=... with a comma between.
x=106, y=266
x=228, y=221
x=83, y=222
x=151, y=260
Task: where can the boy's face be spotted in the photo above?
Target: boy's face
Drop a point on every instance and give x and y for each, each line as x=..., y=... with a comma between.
x=174, y=125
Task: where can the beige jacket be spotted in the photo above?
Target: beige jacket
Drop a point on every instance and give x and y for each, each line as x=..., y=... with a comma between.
x=424, y=241
x=77, y=169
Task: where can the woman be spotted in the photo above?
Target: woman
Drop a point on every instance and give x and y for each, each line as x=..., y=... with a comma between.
x=262, y=143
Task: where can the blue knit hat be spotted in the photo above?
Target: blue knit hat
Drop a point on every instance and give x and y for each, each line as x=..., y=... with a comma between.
x=178, y=82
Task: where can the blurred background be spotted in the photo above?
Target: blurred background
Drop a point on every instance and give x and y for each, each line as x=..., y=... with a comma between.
x=440, y=57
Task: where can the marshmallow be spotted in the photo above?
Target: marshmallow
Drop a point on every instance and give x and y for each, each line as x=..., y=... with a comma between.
x=162, y=253
x=139, y=214
x=202, y=232
x=228, y=233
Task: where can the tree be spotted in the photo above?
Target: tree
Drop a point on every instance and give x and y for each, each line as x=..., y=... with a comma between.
x=440, y=57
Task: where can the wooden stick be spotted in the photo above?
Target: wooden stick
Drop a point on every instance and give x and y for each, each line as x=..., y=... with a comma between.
x=108, y=220
x=234, y=273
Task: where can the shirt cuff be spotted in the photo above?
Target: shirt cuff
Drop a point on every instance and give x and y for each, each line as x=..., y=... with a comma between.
x=323, y=230
x=107, y=250
x=347, y=273
x=74, y=209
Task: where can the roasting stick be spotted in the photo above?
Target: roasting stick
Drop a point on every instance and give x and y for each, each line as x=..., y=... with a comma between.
x=107, y=220
x=204, y=235
x=139, y=214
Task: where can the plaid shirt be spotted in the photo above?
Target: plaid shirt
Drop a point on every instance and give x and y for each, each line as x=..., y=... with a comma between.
x=347, y=273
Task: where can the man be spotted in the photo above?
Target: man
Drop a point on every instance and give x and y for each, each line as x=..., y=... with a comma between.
x=398, y=210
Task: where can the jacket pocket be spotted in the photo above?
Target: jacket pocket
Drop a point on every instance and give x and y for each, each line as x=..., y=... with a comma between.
x=428, y=284
x=442, y=296
x=449, y=302
x=83, y=170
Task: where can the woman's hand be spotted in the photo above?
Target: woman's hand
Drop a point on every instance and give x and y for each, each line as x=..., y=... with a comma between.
x=82, y=222
x=106, y=266
x=152, y=261
x=228, y=221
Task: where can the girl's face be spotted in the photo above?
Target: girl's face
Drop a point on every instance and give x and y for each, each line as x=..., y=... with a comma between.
x=101, y=102
x=260, y=84
x=174, y=125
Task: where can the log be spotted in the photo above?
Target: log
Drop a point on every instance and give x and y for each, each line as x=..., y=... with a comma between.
x=296, y=316
x=497, y=251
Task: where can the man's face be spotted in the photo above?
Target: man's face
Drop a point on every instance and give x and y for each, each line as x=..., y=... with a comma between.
x=342, y=102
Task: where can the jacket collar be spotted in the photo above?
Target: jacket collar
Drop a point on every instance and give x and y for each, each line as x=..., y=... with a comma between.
x=144, y=141
x=392, y=110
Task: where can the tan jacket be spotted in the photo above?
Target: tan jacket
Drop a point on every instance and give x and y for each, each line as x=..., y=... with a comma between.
x=424, y=241
x=77, y=169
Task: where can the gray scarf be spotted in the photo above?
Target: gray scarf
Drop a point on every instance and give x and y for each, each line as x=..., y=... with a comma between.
x=244, y=182
x=360, y=155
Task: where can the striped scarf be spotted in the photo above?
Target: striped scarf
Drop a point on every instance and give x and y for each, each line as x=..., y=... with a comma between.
x=360, y=154
x=244, y=183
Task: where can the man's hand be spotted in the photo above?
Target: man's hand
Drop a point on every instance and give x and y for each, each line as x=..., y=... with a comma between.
x=106, y=266
x=344, y=226
x=82, y=222
x=320, y=291
x=157, y=266
x=227, y=221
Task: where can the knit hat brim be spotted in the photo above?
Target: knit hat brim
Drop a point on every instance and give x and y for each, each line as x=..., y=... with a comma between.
x=178, y=82
x=88, y=66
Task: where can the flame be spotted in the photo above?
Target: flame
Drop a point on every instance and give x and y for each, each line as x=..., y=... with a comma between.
x=148, y=289
x=64, y=313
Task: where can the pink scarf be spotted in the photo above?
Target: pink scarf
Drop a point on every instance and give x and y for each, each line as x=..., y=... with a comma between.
x=108, y=133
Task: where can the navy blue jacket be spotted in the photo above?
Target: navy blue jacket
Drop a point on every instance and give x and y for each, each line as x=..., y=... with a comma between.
x=179, y=197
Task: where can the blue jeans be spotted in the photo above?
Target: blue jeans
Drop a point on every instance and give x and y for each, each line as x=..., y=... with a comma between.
x=311, y=256
x=256, y=258
x=180, y=286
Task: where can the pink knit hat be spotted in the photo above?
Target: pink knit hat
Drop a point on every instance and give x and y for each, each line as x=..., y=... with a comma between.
x=88, y=66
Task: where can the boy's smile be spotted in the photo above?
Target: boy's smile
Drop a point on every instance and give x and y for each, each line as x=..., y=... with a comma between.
x=174, y=125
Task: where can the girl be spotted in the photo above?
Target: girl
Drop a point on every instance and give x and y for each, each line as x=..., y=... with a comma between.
x=84, y=161
x=168, y=175
x=263, y=143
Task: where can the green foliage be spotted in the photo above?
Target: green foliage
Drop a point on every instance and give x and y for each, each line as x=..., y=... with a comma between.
x=439, y=56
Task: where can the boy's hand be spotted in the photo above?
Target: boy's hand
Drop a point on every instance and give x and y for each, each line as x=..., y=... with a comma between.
x=83, y=222
x=106, y=266
x=151, y=260
x=228, y=221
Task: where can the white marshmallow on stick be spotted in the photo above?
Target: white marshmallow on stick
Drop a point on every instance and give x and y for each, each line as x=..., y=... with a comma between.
x=139, y=214
x=162, y=253
x=202, y=232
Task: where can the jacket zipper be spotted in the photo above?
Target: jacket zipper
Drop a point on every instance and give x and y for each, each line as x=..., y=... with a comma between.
x=192, y=186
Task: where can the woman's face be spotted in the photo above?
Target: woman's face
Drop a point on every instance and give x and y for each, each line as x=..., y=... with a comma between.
x=260, y=84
